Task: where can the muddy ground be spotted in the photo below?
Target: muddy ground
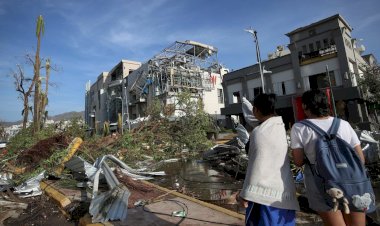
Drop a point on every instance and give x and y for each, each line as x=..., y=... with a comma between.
x=43, y=211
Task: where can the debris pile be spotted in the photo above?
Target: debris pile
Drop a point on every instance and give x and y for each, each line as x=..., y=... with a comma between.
x=109, y=191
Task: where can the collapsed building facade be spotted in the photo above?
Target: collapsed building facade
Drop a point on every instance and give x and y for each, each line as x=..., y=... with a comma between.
x=130, y=87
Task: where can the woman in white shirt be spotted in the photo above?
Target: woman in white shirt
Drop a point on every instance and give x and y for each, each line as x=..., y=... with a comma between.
x=303, y=140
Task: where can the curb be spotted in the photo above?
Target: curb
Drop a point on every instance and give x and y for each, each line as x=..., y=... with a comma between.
x=209, y=205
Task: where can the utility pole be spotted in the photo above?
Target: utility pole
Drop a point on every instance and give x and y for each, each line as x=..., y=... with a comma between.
x=331, y=91
x=256, y=40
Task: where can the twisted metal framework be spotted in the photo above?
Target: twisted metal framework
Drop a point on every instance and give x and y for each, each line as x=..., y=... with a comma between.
x=185, y=64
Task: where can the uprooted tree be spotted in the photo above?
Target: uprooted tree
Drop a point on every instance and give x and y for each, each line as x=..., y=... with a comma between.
x=188, y=130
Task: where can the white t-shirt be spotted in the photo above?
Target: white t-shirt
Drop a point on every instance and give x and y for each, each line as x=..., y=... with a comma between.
x=304, y=137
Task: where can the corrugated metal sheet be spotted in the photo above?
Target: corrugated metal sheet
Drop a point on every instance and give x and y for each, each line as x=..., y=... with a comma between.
x=79, y=165
x=30, y=187
x=112, y=204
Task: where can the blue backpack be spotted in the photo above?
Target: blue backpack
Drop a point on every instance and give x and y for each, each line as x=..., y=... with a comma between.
x=341, y=173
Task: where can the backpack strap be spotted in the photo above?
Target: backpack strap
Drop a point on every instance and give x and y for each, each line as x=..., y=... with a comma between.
x=334, y=127
x=320, y=132
x=331, y=133
x=316, y=128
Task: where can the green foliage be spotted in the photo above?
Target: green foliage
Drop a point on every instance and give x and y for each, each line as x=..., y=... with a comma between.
x=3, y=135
x=371, y=82
x=188, y=131
x=50, y=163
x=25, y=139
x=127, y=141
x=40, y=29
x=18, y=179
x=75, y=128
x=154, y=109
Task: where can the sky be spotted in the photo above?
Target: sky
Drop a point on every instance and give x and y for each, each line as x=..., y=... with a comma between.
x=84, y=38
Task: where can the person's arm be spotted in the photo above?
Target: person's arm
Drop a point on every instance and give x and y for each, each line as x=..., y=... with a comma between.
x=359, y=151
x=298, y=156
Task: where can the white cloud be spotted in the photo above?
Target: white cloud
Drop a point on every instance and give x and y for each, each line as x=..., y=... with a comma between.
x=368, y=21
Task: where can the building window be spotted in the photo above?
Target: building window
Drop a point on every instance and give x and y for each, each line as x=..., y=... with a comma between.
x=325, y=43
x=319, y=81
x=332, y=42
x=318, y=43
x=311, y=47
x=113, y=77
x=348, y=43
x=283, y=88
x=236, y=97
x=220, y=96
x=304, y=50
x=99, y=103
x=257, y=91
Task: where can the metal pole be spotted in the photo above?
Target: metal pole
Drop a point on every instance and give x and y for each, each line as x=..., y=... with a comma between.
x=332, y=94
x=259, y=59
x=122, y=116
x=127, y=103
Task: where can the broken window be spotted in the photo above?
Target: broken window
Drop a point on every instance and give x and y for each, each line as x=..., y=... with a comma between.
x=318, y=81
x=257, y=91
x=220, y=96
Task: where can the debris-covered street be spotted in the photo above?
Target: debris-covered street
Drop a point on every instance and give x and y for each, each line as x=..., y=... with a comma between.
x=185, y=189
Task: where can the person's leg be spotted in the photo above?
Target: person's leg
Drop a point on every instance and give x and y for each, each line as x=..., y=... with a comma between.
x=248, y=214
x=355, y=219
x=332, y=218
x=252, y=214
x=276, y=216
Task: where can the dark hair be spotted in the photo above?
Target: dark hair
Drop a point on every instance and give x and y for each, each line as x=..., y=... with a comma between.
x=265, y=103
x=316, y=102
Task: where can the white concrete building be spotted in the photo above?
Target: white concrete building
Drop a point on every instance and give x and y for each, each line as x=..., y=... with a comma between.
x=326, y=45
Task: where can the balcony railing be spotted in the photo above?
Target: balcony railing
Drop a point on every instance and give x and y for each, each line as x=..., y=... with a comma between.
x=322, y=54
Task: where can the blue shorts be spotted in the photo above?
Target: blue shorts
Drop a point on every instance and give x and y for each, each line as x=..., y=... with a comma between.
x=261, y=215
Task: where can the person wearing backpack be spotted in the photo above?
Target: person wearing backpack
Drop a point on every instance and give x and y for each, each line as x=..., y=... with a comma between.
x=268, y=192
x=337, y=186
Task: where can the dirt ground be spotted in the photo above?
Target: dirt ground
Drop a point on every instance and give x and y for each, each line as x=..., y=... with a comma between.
x=41, y=211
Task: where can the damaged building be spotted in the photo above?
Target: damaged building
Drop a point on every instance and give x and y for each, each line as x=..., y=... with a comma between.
x=130, y=87
x=326, y=45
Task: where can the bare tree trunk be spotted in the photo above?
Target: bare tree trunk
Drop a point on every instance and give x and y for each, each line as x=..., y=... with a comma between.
x=26, y=111
x=36, y=78
x=44, y=97
x=36, y=121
